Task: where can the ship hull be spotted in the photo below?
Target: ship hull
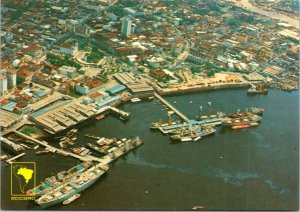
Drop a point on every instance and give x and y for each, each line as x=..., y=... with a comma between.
x=76, y=191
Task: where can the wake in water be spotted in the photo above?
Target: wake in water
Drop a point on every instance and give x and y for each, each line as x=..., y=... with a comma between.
x=261, y=140
x=236, y=178
x=282, y=191
x=137, y=160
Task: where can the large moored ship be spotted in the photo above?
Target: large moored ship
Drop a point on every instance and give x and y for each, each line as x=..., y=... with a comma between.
x=73, y=186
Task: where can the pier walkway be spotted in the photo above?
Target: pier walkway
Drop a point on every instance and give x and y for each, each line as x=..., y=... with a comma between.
x=59, y=151
x=16, y=157
x=120, y=112
x=177, y=112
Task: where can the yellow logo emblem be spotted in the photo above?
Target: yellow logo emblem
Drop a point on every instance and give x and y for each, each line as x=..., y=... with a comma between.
x=23, y=176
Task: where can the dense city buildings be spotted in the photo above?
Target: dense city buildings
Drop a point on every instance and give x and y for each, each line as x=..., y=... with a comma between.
x=65, y=64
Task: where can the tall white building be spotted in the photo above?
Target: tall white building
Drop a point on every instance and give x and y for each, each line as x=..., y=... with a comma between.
x=3, y=84
x=11, y=78
x=126, y=26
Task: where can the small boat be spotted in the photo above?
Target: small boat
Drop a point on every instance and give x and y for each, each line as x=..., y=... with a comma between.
x=175, y=102
x=135, y=100
x=71, y=199
x=190, y=102
x=73, y=139
x=197, y=138
x=74, y=131
x=3, y=157
x=186, y=139
x=197, y=207
x=102, y=116
x=42, y=152
x=170, y=112
x=76, y=151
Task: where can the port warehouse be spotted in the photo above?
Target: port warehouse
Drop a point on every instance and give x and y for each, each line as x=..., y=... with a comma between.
x=62, y=116
x=117, y=89
x=136, y=86
x=8, y=119
x=66, y=114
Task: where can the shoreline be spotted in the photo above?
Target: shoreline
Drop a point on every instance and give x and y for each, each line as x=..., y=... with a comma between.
x=199, y=88
x=245, y=4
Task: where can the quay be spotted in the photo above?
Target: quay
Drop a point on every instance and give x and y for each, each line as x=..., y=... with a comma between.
x=171, y=107
x=56, y=119
x=59, y=151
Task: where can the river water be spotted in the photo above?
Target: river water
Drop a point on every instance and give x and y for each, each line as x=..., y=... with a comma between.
x=272, y=14
x=249, y=169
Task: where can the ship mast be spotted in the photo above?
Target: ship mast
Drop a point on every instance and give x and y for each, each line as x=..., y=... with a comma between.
x=209, y=109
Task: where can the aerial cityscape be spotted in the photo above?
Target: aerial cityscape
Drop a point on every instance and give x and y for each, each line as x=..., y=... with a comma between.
x=149, y=105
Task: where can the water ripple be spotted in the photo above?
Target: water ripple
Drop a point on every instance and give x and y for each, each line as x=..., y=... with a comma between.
x=137, y=160
x=236, y=178
x=261, y=140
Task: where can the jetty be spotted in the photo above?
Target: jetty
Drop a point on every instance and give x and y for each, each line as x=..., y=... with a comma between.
x=56, y=150
x=16, y=157
x=171, y=107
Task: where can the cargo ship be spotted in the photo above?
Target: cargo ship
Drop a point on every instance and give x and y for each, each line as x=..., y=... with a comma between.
x=228, y=122
x=242, y=126
x=96, y=149
x=193, y=134
x=57, y=180
x=73, y=186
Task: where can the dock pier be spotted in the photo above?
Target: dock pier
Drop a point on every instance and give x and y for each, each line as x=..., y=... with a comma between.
x=56, y=150
x=9, y=161
x=171, y=107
